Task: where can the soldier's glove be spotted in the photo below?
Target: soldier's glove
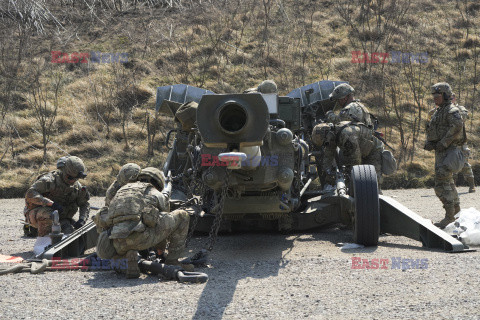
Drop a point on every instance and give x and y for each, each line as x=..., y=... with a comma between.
x=429, y=145
x=57, y=206
x=80, y=223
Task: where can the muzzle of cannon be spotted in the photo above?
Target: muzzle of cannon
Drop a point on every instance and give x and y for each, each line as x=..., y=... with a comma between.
x=232, y=121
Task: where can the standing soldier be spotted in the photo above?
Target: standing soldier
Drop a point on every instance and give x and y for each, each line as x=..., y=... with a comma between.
x=467, y=168
x=138, y=219
x=351, y=109
x=58, y=190
x=445, y=135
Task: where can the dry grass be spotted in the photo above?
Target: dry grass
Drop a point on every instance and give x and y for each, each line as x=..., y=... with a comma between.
x=307, y=42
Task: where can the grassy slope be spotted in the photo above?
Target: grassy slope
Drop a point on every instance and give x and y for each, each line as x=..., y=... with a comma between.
x=227, y=48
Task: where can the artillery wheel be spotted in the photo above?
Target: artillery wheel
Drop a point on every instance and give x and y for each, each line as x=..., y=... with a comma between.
x=366, y=227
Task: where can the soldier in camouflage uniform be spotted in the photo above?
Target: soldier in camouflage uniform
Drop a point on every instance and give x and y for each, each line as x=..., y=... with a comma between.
x=467, y=168
x=139, y=218
x=445, y=135
x=350, y=108
x=356, y=142
x=128, y=173
x=58, y=190
x=267, y=86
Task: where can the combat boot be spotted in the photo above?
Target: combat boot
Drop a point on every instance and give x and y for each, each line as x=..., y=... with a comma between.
x=184, y=266
x=471, y=183
x=116, y=266
x=133, y=271
x=449, y=217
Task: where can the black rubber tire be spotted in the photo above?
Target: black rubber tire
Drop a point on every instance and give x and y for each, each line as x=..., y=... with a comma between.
x=366, y=227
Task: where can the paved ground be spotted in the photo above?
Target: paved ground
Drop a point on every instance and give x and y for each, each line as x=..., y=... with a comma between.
x=257, y=276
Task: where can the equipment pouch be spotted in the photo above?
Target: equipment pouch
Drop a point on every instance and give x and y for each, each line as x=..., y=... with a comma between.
x=389, y=164
x=454, y=160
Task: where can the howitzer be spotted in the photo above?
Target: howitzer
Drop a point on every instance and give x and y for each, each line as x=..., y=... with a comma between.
x=278, y=194
x=167, y=190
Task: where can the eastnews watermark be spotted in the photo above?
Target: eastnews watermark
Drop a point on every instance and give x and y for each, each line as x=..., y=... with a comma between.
x=88, y=264
x=393, y=263
x=389, y=57
x=209, y=160
x=92, y=57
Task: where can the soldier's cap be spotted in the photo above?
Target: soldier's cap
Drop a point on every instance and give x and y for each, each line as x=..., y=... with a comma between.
x=441, y=87
x=74, y=168
x=341, y=91
x=267, y=86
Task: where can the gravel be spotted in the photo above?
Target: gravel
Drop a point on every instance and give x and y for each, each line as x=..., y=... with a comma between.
x=258, y=276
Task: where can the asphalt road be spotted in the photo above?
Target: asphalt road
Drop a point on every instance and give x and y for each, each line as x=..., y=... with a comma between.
x=263, y=276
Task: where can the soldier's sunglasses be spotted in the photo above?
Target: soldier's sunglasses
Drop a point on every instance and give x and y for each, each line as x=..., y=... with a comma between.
x=69, y=177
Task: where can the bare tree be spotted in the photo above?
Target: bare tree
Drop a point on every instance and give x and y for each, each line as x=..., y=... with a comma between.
x=44, y=99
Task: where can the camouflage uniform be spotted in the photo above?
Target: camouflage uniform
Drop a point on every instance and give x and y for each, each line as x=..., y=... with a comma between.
x=445, y=136
x=467, y=168
x=356, y=142
x=128, y=173
x=138, y=219
x=53, y=188
x=354, y=110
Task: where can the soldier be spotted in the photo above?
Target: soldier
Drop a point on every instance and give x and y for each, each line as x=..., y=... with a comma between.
x=467, y=168
x=356, y=142
x=128, y=173
x=139, y=218
x=445, y=135
x=58, y=190
x=351, y=109
x=267, y=86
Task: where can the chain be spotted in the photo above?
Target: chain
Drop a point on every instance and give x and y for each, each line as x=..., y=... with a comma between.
x=218, y=210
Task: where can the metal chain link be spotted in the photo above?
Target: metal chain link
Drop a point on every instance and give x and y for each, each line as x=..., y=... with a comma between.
x=212, y=236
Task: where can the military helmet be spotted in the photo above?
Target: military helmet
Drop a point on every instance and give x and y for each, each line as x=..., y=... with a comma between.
x=320, y=132
x=442, y=87
x=61, y=162
x=75, y=168
x=267, y=86
x=353, y=111
x=154, y=174
x=341, y=91
x=128, y=173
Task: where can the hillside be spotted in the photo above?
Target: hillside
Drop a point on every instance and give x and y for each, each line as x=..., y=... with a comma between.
x=54, y=101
